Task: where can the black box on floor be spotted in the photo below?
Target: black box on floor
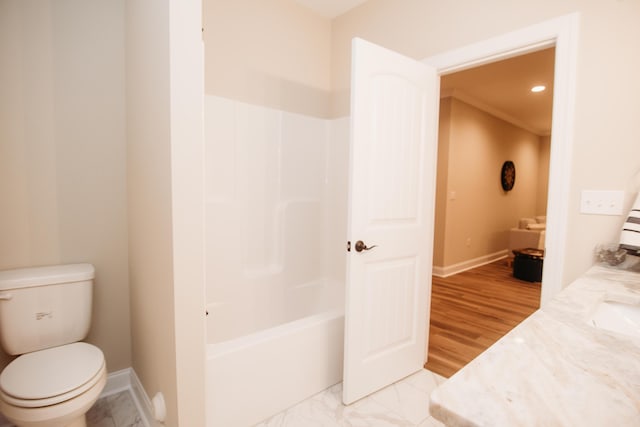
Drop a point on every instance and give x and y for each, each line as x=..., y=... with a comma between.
x=527, y=264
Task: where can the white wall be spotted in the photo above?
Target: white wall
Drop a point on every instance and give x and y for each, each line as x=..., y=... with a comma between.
x=149, y=200
x=187, y=168
x=63, y=151
x=165, y=207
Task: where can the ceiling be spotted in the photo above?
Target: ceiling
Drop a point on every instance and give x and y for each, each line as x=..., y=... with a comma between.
x=503, y=89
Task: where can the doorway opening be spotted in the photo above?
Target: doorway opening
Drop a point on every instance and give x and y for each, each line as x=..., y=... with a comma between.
x=560, y=33
x=488, y=115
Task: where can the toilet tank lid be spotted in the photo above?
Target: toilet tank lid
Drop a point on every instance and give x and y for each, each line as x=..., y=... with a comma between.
x=48, y=275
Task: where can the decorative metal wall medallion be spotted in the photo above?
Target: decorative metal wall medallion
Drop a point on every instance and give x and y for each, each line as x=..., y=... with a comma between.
x=508, y=175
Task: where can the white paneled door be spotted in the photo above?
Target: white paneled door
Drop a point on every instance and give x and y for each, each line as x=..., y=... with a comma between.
x=394, y=125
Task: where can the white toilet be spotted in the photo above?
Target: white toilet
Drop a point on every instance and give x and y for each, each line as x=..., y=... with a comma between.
x=44, y=313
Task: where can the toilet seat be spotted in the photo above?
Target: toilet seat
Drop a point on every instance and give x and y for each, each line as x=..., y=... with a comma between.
x=48, y=377
x=71, y=412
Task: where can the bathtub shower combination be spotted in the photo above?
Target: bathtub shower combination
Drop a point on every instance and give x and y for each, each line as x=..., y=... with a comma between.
x=276, y=225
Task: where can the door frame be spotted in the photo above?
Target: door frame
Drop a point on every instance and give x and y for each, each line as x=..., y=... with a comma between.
x=561, y=32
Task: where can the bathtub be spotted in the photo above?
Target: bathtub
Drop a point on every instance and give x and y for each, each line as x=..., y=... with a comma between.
x=258, y=375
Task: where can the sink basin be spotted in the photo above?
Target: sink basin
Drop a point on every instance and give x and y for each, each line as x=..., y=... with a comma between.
x=622, y=317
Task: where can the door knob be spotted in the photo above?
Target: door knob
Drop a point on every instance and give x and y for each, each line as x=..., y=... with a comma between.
x=360, y=246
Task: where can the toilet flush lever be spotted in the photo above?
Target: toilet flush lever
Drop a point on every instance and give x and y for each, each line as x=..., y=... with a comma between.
x=5, y=296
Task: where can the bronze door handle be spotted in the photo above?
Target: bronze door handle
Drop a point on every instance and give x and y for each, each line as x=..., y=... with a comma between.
x=360, y=246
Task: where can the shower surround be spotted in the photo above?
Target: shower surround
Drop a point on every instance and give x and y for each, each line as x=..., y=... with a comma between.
x=276, y=230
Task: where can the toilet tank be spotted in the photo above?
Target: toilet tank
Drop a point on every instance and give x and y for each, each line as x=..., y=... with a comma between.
x=44, y=307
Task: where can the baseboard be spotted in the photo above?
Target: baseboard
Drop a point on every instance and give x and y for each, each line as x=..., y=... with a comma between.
x=116, y=382
x=469, y=264
x=143, y=402
x=126, y=379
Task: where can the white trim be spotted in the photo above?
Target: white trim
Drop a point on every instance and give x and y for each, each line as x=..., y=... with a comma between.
x=116, y=382
x=475, y=102
x=563, y=33
x=142, y=401
x=469, y=264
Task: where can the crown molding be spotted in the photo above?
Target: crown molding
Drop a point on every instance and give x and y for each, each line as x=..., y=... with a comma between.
x=481, y=105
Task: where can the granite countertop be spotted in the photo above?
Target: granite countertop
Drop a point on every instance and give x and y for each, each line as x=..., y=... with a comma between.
x=554, y=369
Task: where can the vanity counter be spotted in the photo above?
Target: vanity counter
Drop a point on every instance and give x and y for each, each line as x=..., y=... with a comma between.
x=555, y=368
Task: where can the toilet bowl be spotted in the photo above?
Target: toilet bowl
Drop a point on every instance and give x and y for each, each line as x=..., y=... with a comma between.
x=45, y=313
x=53, y=387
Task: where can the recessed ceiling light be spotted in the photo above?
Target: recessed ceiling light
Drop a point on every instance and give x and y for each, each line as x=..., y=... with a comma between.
x=538, y=88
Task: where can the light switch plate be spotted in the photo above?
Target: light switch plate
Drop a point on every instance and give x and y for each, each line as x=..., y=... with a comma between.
x=598, y=202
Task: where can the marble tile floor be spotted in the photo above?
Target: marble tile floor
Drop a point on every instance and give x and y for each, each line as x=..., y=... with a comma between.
x=116, y=410
x=404, y=404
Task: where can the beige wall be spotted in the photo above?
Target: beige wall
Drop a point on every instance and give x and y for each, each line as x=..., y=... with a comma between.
x=273, y=53
x=442, y=178
x=476, y=221
x=164, y=149
x=74, y=140
x=62, y=151
x=606, y=129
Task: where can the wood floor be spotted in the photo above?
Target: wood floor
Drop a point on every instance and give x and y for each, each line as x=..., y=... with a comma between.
x=472, y=310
